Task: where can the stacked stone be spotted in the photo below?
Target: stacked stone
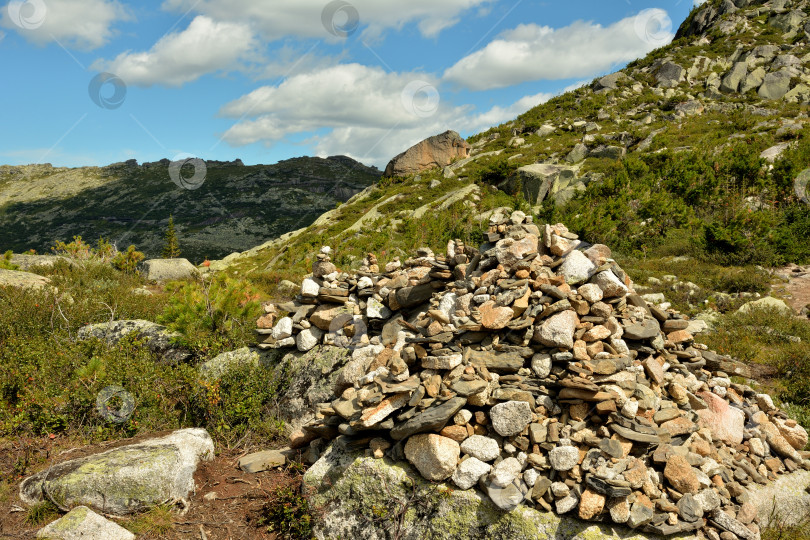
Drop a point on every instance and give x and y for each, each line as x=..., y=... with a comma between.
x=531, y=369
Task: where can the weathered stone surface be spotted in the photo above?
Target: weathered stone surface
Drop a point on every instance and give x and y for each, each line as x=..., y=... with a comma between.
x=511, y=417
x=648, y=329
x=726, y=423
x=22, y=280
x=264, y=460
x=558, y=330
x=481, y=447
x=505, y=472
x=681, y=475
x=775, y=85
x=437, y=151
x=126, y=479
x=434, y=456
x=431, y=419
x=157, y=337
x=577, y=268
x=610, y=284
x=563, y=458
x=81, y=523
x=591, y=504
x=168, y=269
x=469, y=472
x=495, y=317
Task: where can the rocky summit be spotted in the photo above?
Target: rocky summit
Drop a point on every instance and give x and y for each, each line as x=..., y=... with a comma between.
x=529, y=370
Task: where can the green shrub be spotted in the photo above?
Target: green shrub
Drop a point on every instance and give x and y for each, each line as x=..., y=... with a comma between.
x=214, y=314
x=127, y=261
x=5, y=262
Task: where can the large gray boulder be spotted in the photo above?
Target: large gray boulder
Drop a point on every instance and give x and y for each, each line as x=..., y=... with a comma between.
x=221, y=364
x=27, y=261
x=168, y=269
x=775, y=85
x=346, y=486
x=788, y=22
x=310, y=378
x=81, y=523
x=539, y=180
x=732, y=80
x=610, y=82
x=22, y=280
x=437, y=151
x=127, y=479
x=669, y=75
x=157, y=337
x=801, y=186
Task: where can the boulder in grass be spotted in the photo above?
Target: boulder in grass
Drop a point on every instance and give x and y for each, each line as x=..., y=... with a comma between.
x=168, y=269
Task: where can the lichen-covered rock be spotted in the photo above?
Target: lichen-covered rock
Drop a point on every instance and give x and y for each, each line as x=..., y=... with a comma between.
x=308, y=379
x=22, y=280
x=81, y=523
x=158, y=338
x=347, y=487
x=218, y=366
x=126, y=479
x=168, y=269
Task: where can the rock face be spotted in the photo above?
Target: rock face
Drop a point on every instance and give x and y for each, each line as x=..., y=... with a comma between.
x=126, y=479
x=437, y=151
x=157, y=337
x=22, y=280
x=168, y=269
x=82, y=523
x=571, y=395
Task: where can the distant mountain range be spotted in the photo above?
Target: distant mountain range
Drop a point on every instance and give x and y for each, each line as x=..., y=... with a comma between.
x=218, y=207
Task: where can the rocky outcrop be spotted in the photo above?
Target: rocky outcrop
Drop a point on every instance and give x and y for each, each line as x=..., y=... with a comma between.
x=22, y=280
x=127, y=479
x=168, y=269
x=437, y=151
x=157, y=337
x=540, y=181
x=558, y=387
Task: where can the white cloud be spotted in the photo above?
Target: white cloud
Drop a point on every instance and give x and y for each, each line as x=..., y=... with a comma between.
x=360, y=111
x=205, y=46
x=80, y=24
x=531, y=52
x=303, y=18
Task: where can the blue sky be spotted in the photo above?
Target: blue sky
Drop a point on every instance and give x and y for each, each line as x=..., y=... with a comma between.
x=92, y=82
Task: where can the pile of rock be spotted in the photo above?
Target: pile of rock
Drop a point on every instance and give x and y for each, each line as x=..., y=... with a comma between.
x=531, y=369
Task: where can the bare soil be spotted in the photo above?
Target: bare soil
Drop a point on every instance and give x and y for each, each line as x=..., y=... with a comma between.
x=796, y=291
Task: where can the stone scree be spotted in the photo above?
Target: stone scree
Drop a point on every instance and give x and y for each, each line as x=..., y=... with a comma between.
x=531, y=370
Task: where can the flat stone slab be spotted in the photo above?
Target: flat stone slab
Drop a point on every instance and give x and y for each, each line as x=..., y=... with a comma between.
x=22, y=280
x=264, y=460
x=81, y=523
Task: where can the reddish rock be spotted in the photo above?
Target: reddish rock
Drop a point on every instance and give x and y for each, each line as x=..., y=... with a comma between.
x=591, y=504
x=725, y=422
x=437, y=151
x=495, y=318
x=681, y=475
x=457, y=433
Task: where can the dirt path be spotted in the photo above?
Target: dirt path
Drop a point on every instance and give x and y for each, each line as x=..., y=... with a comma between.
x=797, y=289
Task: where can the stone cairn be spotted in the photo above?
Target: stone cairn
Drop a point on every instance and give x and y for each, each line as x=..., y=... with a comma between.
x=531, y=369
